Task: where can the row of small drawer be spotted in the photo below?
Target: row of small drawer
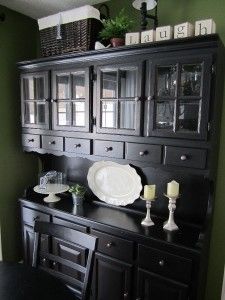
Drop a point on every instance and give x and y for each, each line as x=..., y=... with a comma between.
x=177, y=156
x=154, y=260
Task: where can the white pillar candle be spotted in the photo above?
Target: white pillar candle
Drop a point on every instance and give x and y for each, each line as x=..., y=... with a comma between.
x=149, y=192
x=173, y=189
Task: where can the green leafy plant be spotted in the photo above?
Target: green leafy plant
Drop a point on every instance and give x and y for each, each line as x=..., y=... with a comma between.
x=78, y=190
x=116, y=28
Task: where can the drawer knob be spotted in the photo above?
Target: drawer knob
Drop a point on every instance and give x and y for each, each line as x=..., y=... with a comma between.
x=54, y=263
x=107, y=149
x=162, y=263
x=150, y=98
x=183, y=157
x=125, y=295
x=77, y=145
x=30, y=140
x=137, y=98
x=43, y=260
x=142, y=153
x=36, y=218
x=52, y=143
x=109, y=245
x=53, y=100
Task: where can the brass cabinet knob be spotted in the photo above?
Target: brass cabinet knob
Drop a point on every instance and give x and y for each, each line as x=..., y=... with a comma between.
x=183, y=157
x=107, y=149
x=51, y=143
x=109, y=245
x=161, y=263
x=30, y=140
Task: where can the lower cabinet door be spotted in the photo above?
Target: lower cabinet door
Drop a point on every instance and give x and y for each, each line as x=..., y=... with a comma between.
x=111, y=279
x=28, y=244
x=155, y=287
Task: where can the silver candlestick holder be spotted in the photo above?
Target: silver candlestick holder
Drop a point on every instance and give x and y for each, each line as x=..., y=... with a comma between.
x=147, y=221
x=170, y=223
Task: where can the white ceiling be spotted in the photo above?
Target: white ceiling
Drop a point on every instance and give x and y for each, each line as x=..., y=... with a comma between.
x=42, y=8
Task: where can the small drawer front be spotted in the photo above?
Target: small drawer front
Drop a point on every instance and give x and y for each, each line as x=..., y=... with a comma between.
x=109, y=149
x=185, y=157
x=52, y=142
x=31, y=140
x=144, y=152
x=79, y=146
x=114, y=246
x=69, y=224
x=29, y=216
x=165, y=264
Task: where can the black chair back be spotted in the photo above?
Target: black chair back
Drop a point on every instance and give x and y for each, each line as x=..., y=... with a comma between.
x=80, y=283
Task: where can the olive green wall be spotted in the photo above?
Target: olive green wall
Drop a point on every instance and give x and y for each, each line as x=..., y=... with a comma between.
x=17, y=170
x=175, y=12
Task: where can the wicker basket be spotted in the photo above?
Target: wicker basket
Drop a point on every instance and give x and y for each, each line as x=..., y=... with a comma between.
x=76, y=36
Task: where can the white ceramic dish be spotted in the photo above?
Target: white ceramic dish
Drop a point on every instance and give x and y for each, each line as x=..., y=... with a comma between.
x=114, y=183
x=51, y=190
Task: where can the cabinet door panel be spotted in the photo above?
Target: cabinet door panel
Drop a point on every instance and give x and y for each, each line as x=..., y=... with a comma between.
x=71, y=99
x=28, y=244
x=35, y=93
x=119, y=94
x=151, y=286
x=111, y=280
x=178, y=96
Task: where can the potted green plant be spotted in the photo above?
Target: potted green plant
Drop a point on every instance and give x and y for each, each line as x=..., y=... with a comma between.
x=115, y=29
x=78, y=191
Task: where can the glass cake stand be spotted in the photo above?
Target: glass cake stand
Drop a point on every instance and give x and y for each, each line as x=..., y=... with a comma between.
x=51, y=190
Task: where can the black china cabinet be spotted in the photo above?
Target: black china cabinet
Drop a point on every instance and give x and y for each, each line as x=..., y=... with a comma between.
x=155, y=106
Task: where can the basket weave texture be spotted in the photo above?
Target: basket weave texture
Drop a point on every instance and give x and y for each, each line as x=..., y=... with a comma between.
x=76, y=36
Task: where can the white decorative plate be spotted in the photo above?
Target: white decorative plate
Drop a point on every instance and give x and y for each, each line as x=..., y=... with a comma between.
x=114, y=183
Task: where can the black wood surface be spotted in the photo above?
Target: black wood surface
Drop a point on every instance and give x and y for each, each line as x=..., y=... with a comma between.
x=19, y=282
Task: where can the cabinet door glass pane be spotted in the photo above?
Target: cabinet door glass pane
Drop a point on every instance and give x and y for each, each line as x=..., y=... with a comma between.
x=109, y=84
x=64, y=113
x=63, y=86
x=30, y=112
x=79, y=113
x=188, y=116
x=108, y=114
x=39, y=83
x=79, y=86
x=28, y=88
x=164, y=114
x=40, y=113
x=128, y=81
x=191, y=80
x=127, y=114
x=166, y=81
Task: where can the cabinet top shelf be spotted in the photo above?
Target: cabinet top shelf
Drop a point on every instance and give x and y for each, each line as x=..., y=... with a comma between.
x=211, y=40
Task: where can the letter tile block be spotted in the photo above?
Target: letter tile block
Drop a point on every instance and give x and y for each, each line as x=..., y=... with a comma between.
x=204, y=27
x=164, y=33
x=148, y=36
x=132, y=38
x=183, y=30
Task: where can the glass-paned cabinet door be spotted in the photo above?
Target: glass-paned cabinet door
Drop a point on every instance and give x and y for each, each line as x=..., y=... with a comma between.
x=178, y=97
x=35, y=100
x=71, y=99
x=119, y=99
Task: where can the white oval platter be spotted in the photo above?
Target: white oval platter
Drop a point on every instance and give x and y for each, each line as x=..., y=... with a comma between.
x=114, y=183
